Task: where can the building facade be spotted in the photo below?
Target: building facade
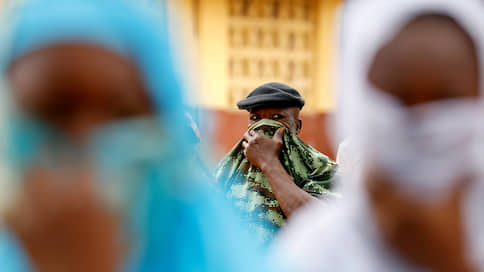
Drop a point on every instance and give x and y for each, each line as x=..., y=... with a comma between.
x=241, y=44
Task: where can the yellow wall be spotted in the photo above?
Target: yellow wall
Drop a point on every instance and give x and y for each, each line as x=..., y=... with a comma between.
x=326, y=54
x=213, y=53
x=210, y=18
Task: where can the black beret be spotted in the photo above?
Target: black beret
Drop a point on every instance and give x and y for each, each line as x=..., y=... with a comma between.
x=272, y=95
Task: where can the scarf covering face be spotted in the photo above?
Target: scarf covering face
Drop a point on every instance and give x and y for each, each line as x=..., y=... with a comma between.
x=173, y=221
x=348, y=228
x=250, y=190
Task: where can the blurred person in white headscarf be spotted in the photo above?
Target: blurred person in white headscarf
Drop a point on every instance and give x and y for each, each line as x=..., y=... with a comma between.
x=411, y=103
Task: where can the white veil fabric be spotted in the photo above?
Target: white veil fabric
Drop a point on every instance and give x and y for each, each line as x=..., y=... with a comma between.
x=368, y=25
x=344, y=237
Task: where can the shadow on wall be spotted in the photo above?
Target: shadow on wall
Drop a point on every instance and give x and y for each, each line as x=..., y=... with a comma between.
x=226, y=128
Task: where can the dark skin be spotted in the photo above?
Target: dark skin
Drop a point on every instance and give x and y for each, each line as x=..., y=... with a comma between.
x=431, y=59
x=76, y=88
x=288, y=116
x=65, y=226
x=263, y=152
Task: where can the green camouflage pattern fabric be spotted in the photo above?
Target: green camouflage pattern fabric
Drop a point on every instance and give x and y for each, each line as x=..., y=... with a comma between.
x=250, y=191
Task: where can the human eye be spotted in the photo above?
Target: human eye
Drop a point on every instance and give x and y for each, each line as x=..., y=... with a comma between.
x=254, y=117
x=277, y=116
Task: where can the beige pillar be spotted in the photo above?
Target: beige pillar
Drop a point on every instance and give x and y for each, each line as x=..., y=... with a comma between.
x=326, y=53
x=213, y=20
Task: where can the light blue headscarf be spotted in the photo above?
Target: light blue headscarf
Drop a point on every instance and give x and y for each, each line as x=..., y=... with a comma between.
x=179, y=225
x=133, y=31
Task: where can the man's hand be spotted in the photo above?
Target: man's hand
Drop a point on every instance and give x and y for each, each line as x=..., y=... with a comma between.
x=263, y=152
x=260, y=150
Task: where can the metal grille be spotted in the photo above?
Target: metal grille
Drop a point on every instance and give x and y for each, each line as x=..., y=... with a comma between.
x=270, y=40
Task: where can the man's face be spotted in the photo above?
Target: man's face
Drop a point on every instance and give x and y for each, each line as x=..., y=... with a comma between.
x=78, y=87
x=288, y=116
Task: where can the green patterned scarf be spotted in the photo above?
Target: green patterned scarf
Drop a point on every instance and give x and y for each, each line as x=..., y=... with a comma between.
x=250, y=191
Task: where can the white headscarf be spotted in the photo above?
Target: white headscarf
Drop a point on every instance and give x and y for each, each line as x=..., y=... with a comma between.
x=345, y=238
x=368, y=25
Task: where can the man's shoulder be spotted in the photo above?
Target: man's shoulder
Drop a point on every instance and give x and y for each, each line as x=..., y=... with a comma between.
x=318, y=161
x=315, y=153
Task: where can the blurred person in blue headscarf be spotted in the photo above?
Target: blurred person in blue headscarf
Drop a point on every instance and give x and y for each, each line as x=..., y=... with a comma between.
x=99, y=150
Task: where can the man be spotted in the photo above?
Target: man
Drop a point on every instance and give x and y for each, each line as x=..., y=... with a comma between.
x=272, y=173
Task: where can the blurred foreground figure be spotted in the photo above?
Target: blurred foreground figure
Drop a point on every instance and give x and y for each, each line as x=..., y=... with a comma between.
x=100, y=151
x=413, y=92
x=271, y=173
